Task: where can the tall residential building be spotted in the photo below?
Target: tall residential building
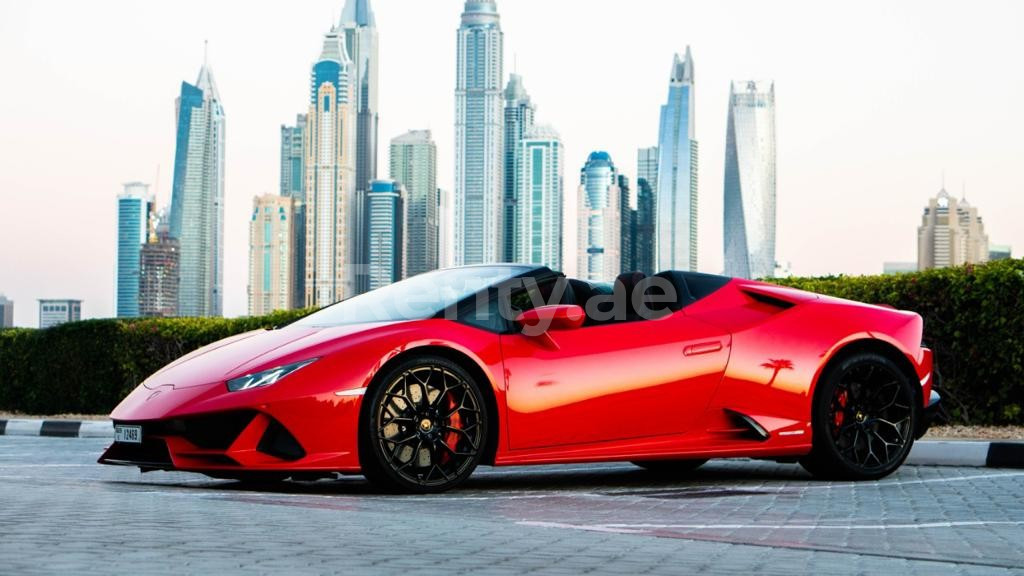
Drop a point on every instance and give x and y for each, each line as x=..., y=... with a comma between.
x=134, y=206
x=676, y=196
x=293, y=185
x=360, y=33
x=643, y=241
x=539, y=198
x=647, y=167
x=749, y=203
x=519, y=111
x=478, y=135
x=627, y=219
x=197, y=201
x=445, y=232
x=56, y=312
x=951, y=234
x=330, y=178
x=293, y=159
x=383, y=208
x=414, y=164
x=271, y=254
x=599, y=223
x=159, y=275
x=6, y=312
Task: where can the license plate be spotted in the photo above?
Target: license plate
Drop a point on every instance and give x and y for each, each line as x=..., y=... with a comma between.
x=129, y=434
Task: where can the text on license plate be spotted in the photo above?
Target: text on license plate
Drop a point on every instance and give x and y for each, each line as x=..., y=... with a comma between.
x=130, y=434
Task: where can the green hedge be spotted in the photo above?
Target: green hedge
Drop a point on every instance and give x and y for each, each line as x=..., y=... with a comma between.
x=87, y=367
x=974, y=320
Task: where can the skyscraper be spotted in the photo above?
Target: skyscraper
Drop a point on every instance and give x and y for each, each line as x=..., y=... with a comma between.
x=293, y=159
x=647, y=166
x=330, y=177
x=519, y=113
x=749, y=202
x=414, y=165
x=158, y=274
x=445, y=233
x=133, y=214
x=56, y=312
x=540, y=203
x=627, y=223
x=676, y=197
x=360, y=32
x=197, y=201
x=643, y=241
x=293, y=185
x=383, y=207
x=478, y=135
x=6, y=312
x=599, y=220
x=271, y=254
x=951, y=234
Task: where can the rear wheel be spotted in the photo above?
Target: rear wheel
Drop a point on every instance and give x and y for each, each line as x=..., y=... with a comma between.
x=425, y=427
x=863, y=420
x=670, y=467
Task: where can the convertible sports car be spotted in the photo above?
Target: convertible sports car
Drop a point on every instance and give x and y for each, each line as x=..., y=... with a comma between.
x=415, y=384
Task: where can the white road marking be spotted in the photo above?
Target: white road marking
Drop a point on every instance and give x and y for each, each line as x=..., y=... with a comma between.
x=644, y=528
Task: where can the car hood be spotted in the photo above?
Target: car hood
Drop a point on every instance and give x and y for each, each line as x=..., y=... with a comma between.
x=247, y=352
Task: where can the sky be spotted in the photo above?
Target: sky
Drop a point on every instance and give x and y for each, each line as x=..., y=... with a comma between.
x=878, y=103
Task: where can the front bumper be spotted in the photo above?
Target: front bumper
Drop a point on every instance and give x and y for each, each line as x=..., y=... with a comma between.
x=225, y=440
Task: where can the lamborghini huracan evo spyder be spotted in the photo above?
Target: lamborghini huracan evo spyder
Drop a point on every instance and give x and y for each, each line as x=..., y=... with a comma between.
x=415, y=384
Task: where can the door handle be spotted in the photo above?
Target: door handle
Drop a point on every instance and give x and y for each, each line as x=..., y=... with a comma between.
x=702, y=348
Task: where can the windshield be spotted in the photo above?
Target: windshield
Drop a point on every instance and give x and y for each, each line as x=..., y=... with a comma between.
x=422, y=296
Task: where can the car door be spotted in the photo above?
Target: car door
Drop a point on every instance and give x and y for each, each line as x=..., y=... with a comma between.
x=611, y=382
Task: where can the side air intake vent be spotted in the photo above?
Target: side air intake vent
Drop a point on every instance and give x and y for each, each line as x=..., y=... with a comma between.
x=753, y=430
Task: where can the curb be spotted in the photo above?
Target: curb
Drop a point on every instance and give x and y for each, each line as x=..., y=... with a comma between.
x=978, y=454
x=58, y=428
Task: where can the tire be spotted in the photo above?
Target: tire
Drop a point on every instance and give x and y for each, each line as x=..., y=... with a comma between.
x=424, y=427
x=670, y=467
x=864, y=415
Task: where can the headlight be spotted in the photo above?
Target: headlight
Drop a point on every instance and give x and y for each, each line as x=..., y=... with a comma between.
x=266, y=377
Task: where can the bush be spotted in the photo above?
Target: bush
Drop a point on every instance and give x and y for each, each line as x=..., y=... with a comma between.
x=89, y=366
x=973, y=321
x=973, y=317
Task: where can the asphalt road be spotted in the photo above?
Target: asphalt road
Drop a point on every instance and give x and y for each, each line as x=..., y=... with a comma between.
x=61, y=513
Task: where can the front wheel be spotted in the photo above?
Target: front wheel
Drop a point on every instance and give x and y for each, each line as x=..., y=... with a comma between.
x=863, y=419
x=425, y=427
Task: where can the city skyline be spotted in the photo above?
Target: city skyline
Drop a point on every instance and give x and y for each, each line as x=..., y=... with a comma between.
x=898, y=172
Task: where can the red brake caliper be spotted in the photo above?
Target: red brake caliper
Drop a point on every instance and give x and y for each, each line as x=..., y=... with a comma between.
x=452, y=437
x=840, y=414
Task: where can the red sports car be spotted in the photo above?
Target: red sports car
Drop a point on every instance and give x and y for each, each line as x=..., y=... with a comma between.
x=415, y=384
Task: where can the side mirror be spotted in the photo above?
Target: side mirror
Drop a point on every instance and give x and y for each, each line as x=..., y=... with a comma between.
x=556, y=317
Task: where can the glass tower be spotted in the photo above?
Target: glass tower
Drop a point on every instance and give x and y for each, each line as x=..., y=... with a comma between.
x=749, y=202
x=519, y=113
x=599, y=220
x=539, y=223
x=383, y=207
x=293, y=185
x=330, y=177
x=197, y=197
x=414, y=164
x=133, y=214
x=676, y=196
x=478, y=135
x=360, y=31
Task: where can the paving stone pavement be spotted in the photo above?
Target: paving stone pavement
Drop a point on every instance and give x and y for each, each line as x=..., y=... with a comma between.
x=60, y=512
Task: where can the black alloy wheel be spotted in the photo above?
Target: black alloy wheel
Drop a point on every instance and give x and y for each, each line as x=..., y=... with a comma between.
x=865, y=414
x=424, y=427
x=670, y=467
